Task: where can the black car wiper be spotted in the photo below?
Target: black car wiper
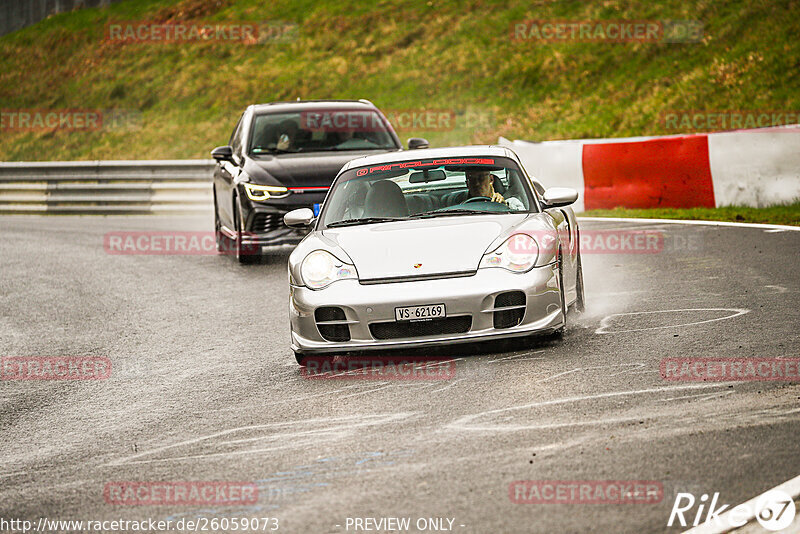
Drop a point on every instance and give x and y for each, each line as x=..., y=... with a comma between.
x=354, y=149
x=259, y=151
x=364, y=220
x=440, y=213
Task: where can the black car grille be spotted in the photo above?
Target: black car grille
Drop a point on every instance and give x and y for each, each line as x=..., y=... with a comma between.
x=509, y=318
x=332, y=332
x=267, y=222
x=396, y=330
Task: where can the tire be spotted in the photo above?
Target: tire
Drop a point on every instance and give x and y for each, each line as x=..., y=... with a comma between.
x=218, y=237
x=301, y=359
x=580, y=302
x=560, y=331
x=243, y=256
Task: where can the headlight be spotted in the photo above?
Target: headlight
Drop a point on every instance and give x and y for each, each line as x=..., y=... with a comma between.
x=263, y=192
x=517, y=254
x=321, y=268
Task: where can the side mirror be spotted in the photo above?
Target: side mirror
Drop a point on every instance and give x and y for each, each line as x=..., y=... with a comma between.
x=299, y=218
x=417, y=142
x=559, y=196
x=222, y=153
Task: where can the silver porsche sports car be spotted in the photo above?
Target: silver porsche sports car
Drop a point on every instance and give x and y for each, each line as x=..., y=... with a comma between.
x=432, y=247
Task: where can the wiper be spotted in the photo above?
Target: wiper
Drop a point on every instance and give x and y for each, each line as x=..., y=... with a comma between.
x=364, y=220
x=259, y=151
x=439, y=213
x=354, y=149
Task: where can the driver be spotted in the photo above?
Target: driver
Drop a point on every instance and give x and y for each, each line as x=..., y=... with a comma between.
x=480, y=183
x=288, y=129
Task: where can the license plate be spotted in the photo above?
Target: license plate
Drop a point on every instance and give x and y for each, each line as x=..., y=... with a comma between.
x=316, y=208
x=419, y=313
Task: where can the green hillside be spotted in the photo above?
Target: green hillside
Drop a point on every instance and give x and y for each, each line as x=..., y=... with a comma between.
x=445, y=56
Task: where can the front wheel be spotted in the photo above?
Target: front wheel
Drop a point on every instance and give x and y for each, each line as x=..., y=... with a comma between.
x=244, y=255
x=563, y=293
x=580, y=302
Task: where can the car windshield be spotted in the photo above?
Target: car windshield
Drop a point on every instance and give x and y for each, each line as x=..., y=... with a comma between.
x=320, y=131
x=428, y=188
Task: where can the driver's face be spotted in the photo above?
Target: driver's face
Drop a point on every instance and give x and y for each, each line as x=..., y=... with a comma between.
x=480, y=183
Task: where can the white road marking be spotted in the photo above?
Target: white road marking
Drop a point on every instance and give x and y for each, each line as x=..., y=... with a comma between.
x=577, y=369
x=365, y=392
x=604, y=322
x=463, y=423
x=779, y=289
x=451, y=384
x=792, y=487
x=700, y=396
x=345, y=423
x=693, y=222
x=525, y=356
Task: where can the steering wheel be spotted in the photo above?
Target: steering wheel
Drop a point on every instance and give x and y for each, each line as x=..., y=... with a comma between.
x=477, y=199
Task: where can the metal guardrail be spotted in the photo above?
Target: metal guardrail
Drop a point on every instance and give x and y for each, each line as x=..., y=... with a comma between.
x=106, y=187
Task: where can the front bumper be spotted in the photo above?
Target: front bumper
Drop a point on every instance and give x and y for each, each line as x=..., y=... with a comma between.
x=263, y=221
x=472, y=296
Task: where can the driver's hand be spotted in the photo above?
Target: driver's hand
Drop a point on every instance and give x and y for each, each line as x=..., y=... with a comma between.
x=497, y=197
x=283, y=142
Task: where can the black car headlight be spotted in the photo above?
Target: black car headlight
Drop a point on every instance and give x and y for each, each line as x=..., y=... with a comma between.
x=260, y=193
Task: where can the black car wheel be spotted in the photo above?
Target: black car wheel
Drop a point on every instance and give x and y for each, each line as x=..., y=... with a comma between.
x=218, y=237
x=244, y=255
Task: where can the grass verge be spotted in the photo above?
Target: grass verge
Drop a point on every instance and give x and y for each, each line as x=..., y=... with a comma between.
x=788, y=214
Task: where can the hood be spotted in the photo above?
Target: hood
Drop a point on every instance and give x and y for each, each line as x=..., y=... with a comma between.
x=435, y=246
x=301, y=170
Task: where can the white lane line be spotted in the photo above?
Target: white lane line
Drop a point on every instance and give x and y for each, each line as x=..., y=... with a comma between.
x=349, y=422
x=721, y=525
x=700, y=396
x=451, y=384
x=693, y=222
x=365, y=392
x=779, y=289
x=605, y=320
x=577, y=369
x=525, y=356
x=462, y=423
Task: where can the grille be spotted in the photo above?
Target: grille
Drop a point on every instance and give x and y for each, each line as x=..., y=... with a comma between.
x=332, y=332
x=267, y=222
x=396, y=330
x=509, y=318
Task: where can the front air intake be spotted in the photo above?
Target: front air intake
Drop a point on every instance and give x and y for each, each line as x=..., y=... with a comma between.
x=510, y=309
x=327, y=319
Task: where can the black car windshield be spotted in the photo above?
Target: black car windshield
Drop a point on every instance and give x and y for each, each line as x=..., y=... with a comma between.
x=445, y=187
x=324, y=130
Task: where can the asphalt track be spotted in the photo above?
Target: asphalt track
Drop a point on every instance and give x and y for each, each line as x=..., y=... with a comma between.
x=204, y=387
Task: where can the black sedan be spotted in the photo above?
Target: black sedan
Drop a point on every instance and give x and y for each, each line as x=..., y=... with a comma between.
x=283, y=156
